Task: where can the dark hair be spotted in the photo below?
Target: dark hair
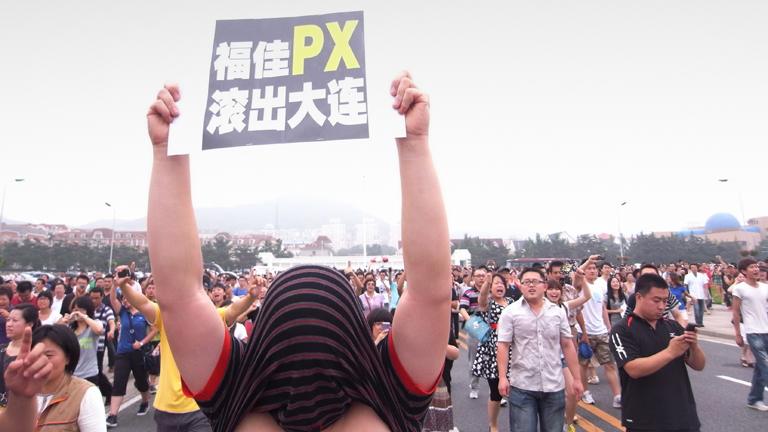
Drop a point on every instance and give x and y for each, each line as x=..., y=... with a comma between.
x=378, y=315
x=65, y=338
x=635, y=273
x=229, y=277
x=24, y=286
x=674, y=279
x=86, y=304
x=5, y=291
x=609, y=293
x=98, y=290
x=743, y=264
x=538, y=271
x=219, y=285
x=83, y=276
x=46, y=294
x=605, y=263
x=647, y=281
x=29, y=313
x=650, y=266
x=693, y=264
x=554, y=264
x=40, y=280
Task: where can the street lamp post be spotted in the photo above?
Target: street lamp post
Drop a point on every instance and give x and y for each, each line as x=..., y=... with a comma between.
x=621, y=236
x=112, y=237
x=741, y=201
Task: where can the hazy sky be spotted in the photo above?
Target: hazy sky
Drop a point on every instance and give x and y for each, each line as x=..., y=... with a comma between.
x=545, y=114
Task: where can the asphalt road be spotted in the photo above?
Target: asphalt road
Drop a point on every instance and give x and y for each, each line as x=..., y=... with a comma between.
x=720, y=391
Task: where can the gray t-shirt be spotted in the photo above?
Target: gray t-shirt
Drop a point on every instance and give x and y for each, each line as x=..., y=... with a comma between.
x=87, y=366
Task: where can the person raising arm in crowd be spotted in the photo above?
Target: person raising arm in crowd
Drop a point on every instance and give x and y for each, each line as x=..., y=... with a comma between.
x=310, y=320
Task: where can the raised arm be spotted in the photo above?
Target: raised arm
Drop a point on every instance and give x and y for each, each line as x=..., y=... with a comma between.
x=581, y=283
x=136, y=299
x=175, y=254
x=423, y=313
x=241, y=305
x=482, y=299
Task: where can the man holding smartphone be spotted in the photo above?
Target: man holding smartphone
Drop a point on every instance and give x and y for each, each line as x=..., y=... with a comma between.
x=652, y=353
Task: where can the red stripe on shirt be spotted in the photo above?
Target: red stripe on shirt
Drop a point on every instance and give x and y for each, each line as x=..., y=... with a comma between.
x=216, y=376
x=401, y=373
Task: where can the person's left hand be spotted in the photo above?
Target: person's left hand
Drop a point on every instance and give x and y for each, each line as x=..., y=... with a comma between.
x=137, y=345
x=26, y=375
x=692, y=338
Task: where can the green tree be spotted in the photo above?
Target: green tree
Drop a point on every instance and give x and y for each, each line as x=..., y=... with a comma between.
x=245, y=257
x=483, y=250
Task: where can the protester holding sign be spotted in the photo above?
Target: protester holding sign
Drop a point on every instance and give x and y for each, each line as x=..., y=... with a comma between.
x=309, y=364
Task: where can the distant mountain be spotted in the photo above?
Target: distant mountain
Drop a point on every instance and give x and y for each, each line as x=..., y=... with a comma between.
x=285, y=213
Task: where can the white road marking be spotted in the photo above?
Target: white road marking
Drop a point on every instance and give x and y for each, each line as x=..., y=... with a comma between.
x=737, y=381
x=130, y=402
x=718, y=341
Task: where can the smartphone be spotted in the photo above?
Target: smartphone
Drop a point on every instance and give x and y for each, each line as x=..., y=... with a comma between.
x=123, y=273
x=691, y=327
x=385, y=326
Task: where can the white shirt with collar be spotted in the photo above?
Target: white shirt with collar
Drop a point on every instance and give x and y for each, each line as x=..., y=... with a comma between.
x=535, y=360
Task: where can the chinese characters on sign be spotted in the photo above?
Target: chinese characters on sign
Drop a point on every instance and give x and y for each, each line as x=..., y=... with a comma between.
x=283, y=80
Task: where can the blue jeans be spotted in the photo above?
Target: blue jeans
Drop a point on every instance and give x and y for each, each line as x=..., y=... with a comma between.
x=529, y=409
x=698, y=311
x=758, y=343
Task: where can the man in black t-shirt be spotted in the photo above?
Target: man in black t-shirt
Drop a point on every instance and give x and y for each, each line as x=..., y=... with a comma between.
x=652, y=353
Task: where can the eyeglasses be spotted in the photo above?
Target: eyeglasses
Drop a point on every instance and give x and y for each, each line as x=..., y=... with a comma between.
x=531, y=282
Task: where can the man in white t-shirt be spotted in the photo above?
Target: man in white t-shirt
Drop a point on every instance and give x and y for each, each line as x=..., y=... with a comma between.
x=750, y=304
x=698, y=286
x=594, y=331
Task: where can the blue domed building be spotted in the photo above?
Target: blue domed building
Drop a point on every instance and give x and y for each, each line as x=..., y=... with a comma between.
x=725, y=227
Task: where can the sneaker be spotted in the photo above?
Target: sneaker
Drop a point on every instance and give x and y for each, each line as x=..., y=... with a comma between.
x=473, y=394
x=593, y=380
x=587, y=398
x=143, y=409
x=153, y=389
x=759, y=405
x=569, y=428
x=617, y=402
x=503, y=402
x=112, y=421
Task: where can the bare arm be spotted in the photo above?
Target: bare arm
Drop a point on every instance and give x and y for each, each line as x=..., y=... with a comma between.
x=582, y=326
x=175, y=254
x=502, y=360
x=586, y=293
x=238, y=308
x=418, y=338
x=96, y=326
x=736, y=306
x=401, y=284
x=644, y=366
x=452, y=353
x=137, y=299
x=482, y=299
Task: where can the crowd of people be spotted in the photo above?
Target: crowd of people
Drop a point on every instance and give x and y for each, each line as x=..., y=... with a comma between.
x=321, y=349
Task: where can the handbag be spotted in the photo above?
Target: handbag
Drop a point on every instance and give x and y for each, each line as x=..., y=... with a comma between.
x=478, y=328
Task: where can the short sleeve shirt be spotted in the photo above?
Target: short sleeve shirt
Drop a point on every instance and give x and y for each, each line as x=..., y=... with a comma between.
x=660, y=401
x=754, y=304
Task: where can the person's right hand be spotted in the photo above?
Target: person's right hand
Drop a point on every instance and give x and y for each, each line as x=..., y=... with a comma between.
x=503, y=386
x=4, y=313
x=678, y=346
x=123, y=282
x=584, y=338
x=411, y=102
x=26, y=375
x=739, y=340
x=111, y=335
x=161, y=113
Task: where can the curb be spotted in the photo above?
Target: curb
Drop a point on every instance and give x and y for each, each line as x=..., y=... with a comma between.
x=715, y=334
